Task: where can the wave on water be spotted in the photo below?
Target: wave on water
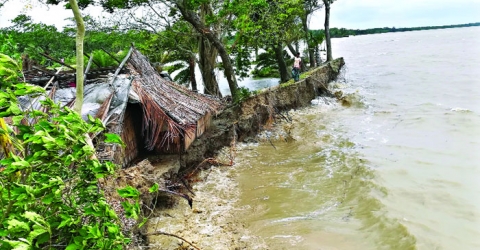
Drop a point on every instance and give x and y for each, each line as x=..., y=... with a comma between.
x=461, y=110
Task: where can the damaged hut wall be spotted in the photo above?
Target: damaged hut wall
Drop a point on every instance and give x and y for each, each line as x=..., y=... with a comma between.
x=131, y=135
x=203, y=124
x=178, y=143
x=189, y=137
x=173, y=116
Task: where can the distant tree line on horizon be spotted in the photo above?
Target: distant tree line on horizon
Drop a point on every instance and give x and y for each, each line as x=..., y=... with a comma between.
x=343, y=32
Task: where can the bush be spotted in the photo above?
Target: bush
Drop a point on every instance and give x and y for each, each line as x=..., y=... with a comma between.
x=49, y=193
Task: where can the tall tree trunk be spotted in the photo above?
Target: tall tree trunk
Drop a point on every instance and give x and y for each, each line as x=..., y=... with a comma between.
x=208, y=59
x=327, y=30
x=193, y=79
x=282, y=66
x=308, y=39
x=195, y=21
x=79, y=61
x=79, y=54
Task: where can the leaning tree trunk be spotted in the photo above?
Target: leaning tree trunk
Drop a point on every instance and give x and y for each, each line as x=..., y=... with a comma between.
x=327, y=30
x=195, y=21
x=79, y=54
x=208, y=59
x=282, y=66
x=292, y=49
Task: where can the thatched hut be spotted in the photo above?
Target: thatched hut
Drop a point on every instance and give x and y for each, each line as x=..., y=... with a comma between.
x=149, y=112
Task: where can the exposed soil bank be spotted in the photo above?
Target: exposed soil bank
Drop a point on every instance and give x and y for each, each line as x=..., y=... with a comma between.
x=215, y=226
x=245, y=120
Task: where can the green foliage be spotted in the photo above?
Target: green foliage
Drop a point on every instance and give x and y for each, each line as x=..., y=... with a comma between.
x=8, y=46
x=32, y=38
x=49, y=193
x=263, y=22
x=265, y=72
x=242, y=60
x=266, y=64
x=132, y=208
x=26, y=37
x=9, y=69
x=316, y=37
x=102, y=59
x=243, y=93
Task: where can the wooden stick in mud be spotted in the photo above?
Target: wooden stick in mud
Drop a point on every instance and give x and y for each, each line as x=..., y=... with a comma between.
x=173, y=235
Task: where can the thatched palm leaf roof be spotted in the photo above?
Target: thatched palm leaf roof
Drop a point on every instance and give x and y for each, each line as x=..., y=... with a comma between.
x=165, y=103
x=155, y=120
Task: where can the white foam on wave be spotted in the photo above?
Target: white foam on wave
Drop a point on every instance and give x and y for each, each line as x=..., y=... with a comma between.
x=461, y=110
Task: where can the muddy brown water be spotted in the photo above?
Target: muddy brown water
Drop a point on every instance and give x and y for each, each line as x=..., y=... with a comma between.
x=397, y=169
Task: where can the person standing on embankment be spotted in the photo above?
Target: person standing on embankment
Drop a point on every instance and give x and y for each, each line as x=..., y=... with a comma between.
x=297, y=63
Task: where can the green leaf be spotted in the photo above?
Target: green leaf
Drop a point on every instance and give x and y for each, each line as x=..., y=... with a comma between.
x=65, y=222
x=131, y=210
x=113, y=138
x=15, y=226
x=90, y=118
x=36, y=218
x=154, y=188
x=143, y=222
x=18, y=245
x=128, y=192
x=48, y=198
x=37, y=231
x=95, y=232
x=73, y=246
x=114, y=229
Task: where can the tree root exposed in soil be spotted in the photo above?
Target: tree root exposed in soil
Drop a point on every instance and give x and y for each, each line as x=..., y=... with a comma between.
x=172, y=235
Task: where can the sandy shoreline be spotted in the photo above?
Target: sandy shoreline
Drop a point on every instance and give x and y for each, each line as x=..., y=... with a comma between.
x=212, y=223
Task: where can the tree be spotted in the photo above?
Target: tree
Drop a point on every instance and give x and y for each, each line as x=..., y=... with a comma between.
x=189, y=11
x=3, y=2
x=193, y=18
x=268, y=24
x=79, y=51
x=32, y=38
x=327, y=4
x=177, y=44
x=310, y=6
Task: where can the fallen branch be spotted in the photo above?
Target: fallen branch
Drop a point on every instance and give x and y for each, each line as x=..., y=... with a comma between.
x=186, y=197
x=209, y=161
x=185, y=184
x=55, y=60
x=172, y=235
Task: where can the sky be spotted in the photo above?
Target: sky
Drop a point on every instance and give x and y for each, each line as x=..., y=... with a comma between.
x=364, y=14
x=350, y=14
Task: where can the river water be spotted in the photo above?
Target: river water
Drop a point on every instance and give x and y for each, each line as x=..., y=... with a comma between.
x=397, y=169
